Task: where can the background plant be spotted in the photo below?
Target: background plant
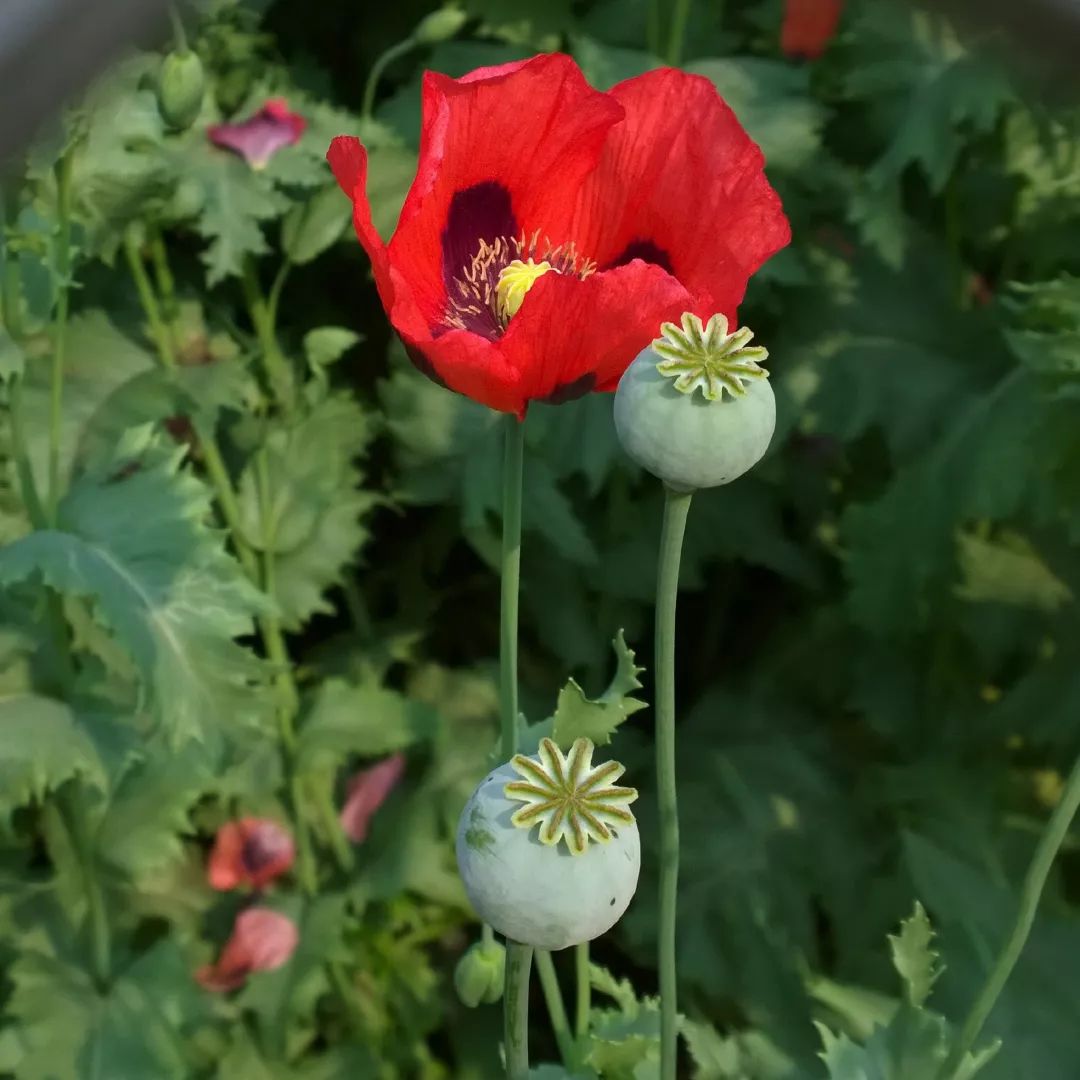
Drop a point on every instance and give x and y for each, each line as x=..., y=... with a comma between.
x=878, y=626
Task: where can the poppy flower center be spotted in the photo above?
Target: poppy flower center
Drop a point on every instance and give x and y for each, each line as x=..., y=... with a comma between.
x=490, y=290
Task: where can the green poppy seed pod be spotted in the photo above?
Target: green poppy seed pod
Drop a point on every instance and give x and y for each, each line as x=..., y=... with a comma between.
x=694, y=440
x=478, y=977
x=438, y=26
x=548, y=849
x=180, y=88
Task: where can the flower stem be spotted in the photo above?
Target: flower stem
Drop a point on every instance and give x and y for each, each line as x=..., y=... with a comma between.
x=511, y=571
x=516, y=1010
x=676, y=506
x=278, y=372
x=382, y=62
x=166, y=283
x=63, y=273
x=1054, y=834
x=584, y=989
x=680, y=14
x=158, y=329
x=560, y=1025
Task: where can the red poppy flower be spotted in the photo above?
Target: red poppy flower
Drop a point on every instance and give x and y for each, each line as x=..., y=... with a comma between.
x=368, y=790
x=261, y=941
x=552, y=228
x=251, y=851
x=261, y=136
x=809, y=26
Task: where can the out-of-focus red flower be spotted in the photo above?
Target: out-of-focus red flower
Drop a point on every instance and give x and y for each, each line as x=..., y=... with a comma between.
x=368, y=790
x=552, y=228
x=261, y=136
x=251, y=851
x=261, y=940
x=809, y=26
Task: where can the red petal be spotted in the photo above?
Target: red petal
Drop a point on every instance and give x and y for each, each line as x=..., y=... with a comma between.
x=261, y=940
x=572, y=336
x=368, y=790
x=809, y=26
x=527, y=132
x=225, y=869
x=681, y=183
x=251, y=851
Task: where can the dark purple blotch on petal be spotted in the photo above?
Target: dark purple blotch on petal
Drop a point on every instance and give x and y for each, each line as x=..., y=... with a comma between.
x=646, y=251
x=571, y=391
x=480, y=212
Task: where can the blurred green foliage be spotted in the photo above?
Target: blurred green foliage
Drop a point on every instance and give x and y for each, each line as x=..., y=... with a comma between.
x=879, y=670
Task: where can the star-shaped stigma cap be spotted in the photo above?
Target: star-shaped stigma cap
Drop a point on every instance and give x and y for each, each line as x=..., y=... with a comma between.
x=707, y=356
x=568, y=797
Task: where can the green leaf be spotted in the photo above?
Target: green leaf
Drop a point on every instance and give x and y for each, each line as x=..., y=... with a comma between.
x=137, y=1028
x=577, y=716
x=310, y=511
x=44, y=746
x=1007, y=570
x=311, y=227
x=349, y=719
x=606, y=65
x=12, y=358
x=134, y=542
x=913, y=957
x=772, y=102
x=327, y=344
x=624, y=1042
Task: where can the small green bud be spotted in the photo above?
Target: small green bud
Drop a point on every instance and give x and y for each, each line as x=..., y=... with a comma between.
x=440, y=25
x=479, y=974
x=180, y=88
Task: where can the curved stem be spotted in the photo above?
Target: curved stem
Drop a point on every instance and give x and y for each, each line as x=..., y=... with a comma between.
x=511, y=571
x=584, y=989
x=516, y=1010
x=381, y=63
x=63, y=272
x=278, y=372
x=676, y=506
x=1054, y=834
x=166, y=283
x=679, y=16
x=560, y=1025
x=179, y=33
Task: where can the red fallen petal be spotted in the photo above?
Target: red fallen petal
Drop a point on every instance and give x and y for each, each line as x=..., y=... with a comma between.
x=809, y=26
x=368, y=790
x=261, y=940
x=261, y=136
x=251, y=851
x=500, y=151
x=682, y=184
x=572, y=336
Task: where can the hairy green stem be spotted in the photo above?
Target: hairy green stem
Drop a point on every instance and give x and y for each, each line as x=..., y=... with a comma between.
x=1054, y=834
x=63, y=273
x=339, y=843
x=511, y=571
x=382, y=62
x=679, y=16
x=263, y=317
x=584, y=989
x=516, y=1010
x=676, y=506
x=560, y=1025
x=166, y=283
x=179, y=33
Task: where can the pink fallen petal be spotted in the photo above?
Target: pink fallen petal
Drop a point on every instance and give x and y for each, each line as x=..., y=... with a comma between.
x=368, y=790
x=251, y=851
x=261, y=136
x=262, y=940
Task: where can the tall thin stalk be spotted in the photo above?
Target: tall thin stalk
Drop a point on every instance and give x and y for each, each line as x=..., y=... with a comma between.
x=510, y=574
x=516, y=1009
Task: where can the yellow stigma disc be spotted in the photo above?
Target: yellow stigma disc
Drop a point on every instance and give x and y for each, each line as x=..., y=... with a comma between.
x=515, y=280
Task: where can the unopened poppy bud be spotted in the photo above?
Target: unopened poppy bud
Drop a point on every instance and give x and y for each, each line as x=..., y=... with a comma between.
x=548, y=848
x=180, y=88
x=695, y=408
x=478, y=977
x=439, y=25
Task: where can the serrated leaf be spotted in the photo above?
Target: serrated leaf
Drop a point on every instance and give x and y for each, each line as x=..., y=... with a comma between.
x=371, y=721
x=133, y=541
x=623, y=1043
x=44, y=746
x=309, y=511
x=912, y=956
x=577, y=716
